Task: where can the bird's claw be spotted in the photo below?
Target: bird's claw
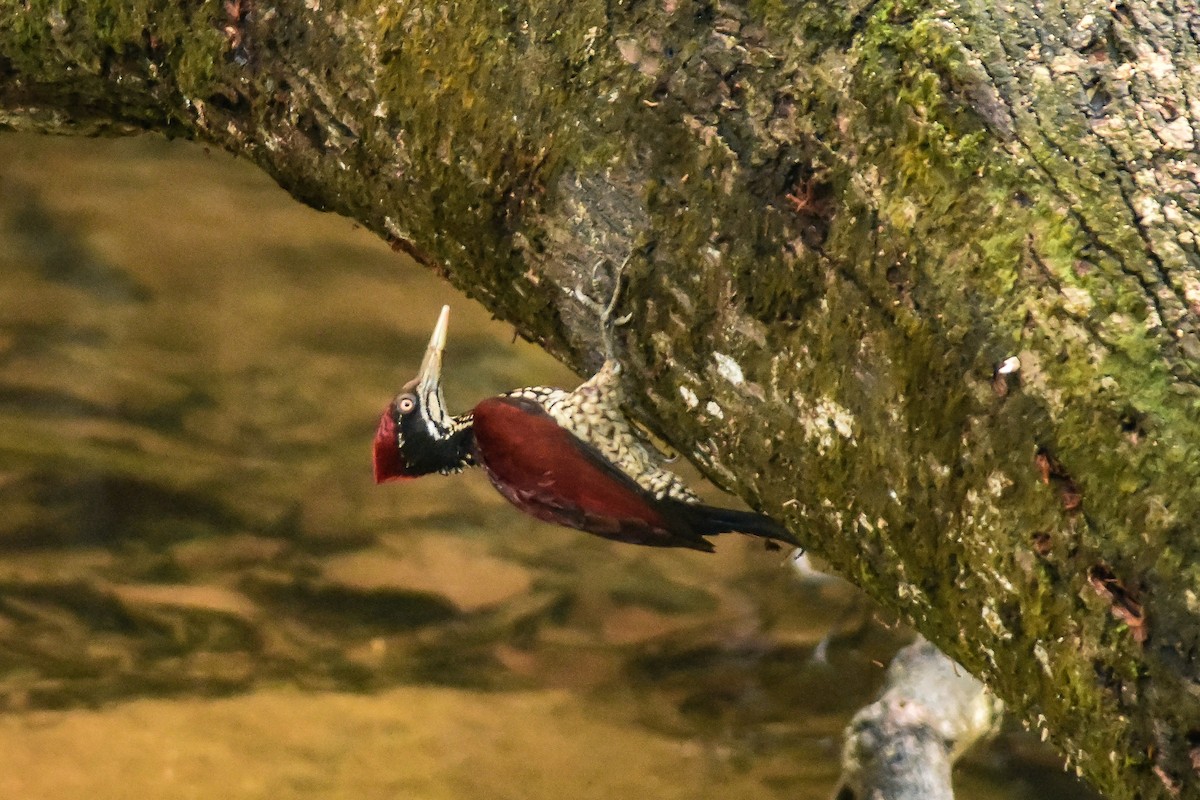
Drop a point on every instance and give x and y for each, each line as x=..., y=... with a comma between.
x=578, y=294
x=606, y=311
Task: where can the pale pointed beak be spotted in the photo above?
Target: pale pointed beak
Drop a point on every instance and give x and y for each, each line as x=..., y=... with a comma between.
x=431, y=366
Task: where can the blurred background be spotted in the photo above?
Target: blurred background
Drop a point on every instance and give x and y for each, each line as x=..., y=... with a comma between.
x=203, y=593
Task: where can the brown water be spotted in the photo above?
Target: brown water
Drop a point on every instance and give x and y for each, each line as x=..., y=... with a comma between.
x=203, y=594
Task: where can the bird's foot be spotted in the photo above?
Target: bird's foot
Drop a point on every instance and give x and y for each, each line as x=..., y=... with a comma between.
x=606, y=311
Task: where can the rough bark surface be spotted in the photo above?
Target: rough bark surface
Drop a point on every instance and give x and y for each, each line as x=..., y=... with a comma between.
x=839, y=221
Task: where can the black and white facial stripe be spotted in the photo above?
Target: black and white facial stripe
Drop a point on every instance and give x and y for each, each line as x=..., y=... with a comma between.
x=429, y=439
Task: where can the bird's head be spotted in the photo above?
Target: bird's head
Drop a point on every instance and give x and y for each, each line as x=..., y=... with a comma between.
x=415, y=435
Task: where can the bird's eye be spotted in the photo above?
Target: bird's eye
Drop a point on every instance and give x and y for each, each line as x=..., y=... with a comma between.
x=406, y=404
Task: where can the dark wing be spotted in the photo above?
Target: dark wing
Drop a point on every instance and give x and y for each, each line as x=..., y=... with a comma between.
x=548, y=472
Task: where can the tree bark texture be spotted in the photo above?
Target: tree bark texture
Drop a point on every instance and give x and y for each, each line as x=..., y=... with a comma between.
x=839, y=220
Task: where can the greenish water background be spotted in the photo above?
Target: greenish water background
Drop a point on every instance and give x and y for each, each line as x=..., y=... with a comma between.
x=203, y=594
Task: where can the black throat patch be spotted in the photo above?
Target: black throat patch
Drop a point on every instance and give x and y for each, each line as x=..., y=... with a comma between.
x=426, y=446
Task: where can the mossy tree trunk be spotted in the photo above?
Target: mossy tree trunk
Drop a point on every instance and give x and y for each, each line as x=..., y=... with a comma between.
x=839, y=221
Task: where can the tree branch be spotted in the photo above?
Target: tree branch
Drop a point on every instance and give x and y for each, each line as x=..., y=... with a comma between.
x=904, y=745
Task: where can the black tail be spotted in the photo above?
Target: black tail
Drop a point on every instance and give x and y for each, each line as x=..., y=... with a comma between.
x=711, y=520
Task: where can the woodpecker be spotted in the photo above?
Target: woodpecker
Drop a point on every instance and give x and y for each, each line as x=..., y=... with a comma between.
x=570, y=458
